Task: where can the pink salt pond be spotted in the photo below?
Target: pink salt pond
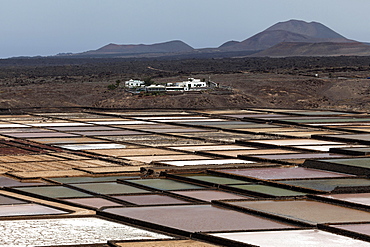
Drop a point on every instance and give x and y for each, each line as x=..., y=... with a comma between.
x=292, y=238
x=197, y=218
x=28, y=210
x=209, y=195
x=151, y=199
x=357, y=228
x=304, y=210
x=93, y=202
x=299, y=156
x=283, y=173
x=358, y=198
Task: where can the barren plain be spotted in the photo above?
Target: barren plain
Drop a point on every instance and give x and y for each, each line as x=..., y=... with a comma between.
x=337, y=83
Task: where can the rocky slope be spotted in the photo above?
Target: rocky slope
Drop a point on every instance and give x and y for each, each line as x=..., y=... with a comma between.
x=289, y=31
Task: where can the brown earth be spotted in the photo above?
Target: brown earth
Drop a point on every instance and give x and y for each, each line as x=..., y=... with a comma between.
x=282, y=86
x=247, y=90
x=291, y=49
x=261, y=90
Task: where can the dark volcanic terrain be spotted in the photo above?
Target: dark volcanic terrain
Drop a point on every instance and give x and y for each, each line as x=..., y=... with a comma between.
x=299, y=82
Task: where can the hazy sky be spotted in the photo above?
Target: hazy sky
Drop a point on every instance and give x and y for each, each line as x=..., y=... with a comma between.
x=48, y=27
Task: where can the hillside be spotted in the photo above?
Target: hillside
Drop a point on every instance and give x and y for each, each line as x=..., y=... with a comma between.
x=289, y=31
x=265, y=40
x=291, y=49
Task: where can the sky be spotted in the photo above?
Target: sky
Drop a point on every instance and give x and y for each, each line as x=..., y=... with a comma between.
x=49, y=27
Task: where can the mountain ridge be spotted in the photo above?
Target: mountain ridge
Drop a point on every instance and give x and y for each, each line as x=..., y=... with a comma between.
x=297, y=32
x=174, y=46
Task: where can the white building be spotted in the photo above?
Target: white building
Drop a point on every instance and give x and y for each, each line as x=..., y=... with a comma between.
x=134, y=83
x=190, y=84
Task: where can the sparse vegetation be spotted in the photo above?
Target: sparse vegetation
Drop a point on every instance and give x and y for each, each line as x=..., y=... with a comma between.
x=244, y=82
x=148, y=81
x=114, y=86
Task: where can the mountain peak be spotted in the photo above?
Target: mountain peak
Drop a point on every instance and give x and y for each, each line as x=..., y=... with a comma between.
x=287, y=31
x=312, y=29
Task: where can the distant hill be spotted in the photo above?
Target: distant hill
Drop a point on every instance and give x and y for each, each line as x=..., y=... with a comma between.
x=289, y=38
x=290, y=49
x=175, y=46
x=289, y=31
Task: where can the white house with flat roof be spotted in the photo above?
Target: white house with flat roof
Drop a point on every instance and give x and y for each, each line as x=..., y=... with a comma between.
x=190, y=84
x=134, y=83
